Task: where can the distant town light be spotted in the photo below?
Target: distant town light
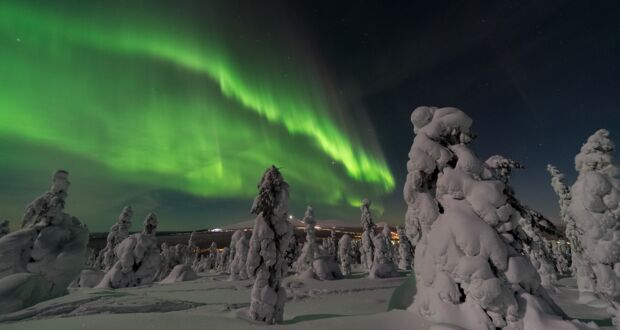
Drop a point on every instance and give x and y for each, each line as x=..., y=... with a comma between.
x=290, y=216
x=217, y=230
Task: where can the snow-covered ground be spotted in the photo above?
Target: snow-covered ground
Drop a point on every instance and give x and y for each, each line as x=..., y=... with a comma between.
x=214, y=302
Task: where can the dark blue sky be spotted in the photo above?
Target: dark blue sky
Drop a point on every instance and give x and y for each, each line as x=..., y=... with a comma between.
x=537, y=77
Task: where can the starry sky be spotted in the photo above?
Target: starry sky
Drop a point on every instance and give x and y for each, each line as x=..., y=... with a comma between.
x=178, y=107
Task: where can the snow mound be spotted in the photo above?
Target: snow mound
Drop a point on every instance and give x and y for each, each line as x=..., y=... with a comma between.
x=180, y=273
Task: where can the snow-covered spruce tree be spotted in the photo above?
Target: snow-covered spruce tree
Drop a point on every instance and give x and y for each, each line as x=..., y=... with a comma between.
x=561, y=252
x=344, y=254
x=580, y=266
x=332, y=244
x=138, y=259
x=4, y=228
x=268, y=244
x=595, y=207
x=469, y=263
x=211, y=259
x=405, y=251
x=118, y=232
x=40, y=260
x=165, y=257
x=533, y=225
x=310, y=248
x=242, y=245
x=292, y=252
x=367, y=248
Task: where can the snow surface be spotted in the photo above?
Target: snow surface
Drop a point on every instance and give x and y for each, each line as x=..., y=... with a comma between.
x=214, y=302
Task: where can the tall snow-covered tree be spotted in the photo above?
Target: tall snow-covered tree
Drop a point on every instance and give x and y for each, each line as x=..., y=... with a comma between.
x=581, y=267
x=367, y=247
x=242, y=244
x=310, y=249
x=595, y=207
x=405, y=251
x=345, y=254
x=469, y=263
x=268, y=244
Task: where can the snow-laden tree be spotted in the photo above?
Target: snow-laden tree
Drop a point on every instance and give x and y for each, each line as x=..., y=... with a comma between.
x=310, y=248
x=561, y=252
x=470, y=267
x=4, y=228
x=580, y=266
x=387, y=236
x=367, y=248
x=39, y=261
x=242, y=245
x=595, y=207
x=118, y=232
x=292, y=252
x=166, y=257
x=405, y=251
x=138, y=258
x=223, y=260
x=382, y=264
x=345, y=254
x=268, y=244
x=332, y=244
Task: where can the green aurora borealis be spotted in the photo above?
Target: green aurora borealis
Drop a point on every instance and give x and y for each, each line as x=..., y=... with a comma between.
x=147, y=97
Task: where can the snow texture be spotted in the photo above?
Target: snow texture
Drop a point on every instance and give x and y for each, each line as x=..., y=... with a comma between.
x=469, y=264
x=39, y=261
x=268, y=244
x=138, y=259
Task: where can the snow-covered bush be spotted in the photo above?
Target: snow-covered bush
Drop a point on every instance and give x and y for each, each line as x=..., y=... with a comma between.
x=241, y=247
x=40, y=260
x=118, y=232
x=268, y=244
x=469, y=263
x=367, y=248
x=180, y=273
x=310, y=248
x=138, y=259
x=595, y=208
x=345, y=254
x=405, y=251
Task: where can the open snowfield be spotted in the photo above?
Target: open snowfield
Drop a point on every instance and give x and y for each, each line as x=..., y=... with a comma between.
x=213, y=302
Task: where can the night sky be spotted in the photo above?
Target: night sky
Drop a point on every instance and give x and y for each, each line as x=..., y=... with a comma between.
x=178, y=107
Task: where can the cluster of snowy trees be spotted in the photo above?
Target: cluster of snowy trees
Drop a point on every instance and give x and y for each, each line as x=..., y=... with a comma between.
x=40, y=260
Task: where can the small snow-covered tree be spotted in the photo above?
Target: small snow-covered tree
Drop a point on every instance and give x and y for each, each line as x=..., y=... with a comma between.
x=118, y=232
x=469, y=263
x=242, y=245
x=382, y=264
x=310, y=249
x=211, y=259
x=192, y=248
x=166, y=258
x=46, y=254
x=387, y=236
x=367, y=248
x=595, y=208
x=405, y=251
x=332, y=244
x=268, y=244
x=223, y=260
x=345, y=254
x=138, y=258
x=4, y=228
